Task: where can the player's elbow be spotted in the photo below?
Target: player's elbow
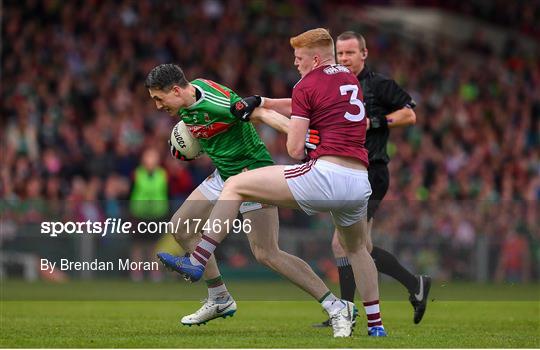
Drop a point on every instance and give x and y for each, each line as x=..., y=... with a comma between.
x=299, y=155
x=411, y=117
x=296, y=151
x=288, y=111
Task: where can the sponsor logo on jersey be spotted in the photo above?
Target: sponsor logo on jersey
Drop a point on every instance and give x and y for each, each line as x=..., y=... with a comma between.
x=208, y=131
x=334, y=69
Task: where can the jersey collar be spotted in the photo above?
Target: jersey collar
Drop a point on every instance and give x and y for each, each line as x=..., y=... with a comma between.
x=316, y=69
x=199, y=100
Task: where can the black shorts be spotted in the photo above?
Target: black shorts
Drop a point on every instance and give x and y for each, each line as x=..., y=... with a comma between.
x=379, y=181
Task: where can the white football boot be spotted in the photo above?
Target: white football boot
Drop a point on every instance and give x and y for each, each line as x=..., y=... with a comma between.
x=343, y=321
x=210, y=310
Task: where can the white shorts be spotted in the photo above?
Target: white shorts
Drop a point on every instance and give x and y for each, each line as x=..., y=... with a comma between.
x=212, y=186
x=322, y=186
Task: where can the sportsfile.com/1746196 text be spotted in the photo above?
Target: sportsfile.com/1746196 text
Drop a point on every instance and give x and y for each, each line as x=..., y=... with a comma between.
x=120, y=226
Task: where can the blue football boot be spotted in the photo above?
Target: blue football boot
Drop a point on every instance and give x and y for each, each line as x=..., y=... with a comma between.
x=377, y=332
x=182, y=265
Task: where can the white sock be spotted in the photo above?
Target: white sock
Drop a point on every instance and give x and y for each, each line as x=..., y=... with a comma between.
x=218, y=292
x=332, y=304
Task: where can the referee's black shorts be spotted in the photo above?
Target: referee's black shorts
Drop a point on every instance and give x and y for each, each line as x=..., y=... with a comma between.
x=379, y=181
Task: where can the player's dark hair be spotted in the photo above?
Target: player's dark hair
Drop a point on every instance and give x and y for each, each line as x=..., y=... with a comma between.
x=353, y=35
x=164, y=76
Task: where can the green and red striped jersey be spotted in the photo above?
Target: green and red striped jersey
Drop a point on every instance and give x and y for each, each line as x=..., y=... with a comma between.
x=232, y=145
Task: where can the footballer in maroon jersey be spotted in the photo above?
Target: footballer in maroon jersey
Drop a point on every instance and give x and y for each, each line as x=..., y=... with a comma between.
x=330, y=97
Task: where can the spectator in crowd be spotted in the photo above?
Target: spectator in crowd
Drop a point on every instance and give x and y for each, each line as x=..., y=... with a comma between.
x=514, y=262
x=148, y=203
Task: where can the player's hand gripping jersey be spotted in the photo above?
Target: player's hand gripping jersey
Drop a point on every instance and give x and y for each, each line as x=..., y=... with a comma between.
x=231, y=144
x=321, y=97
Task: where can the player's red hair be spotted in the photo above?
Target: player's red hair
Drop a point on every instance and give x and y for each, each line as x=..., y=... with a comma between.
x=314, y=38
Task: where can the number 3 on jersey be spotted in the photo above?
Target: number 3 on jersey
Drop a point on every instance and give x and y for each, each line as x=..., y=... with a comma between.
x=344, y=89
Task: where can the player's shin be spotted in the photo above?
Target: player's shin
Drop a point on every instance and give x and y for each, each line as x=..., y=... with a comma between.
x=365, y=272
x=225, y=211
x=366, y=279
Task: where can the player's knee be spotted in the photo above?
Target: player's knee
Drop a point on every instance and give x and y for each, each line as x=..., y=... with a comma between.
x=337, y=249
x=231, y=184
x=232, y=188
x=353, y=242
x=369, y=246
x=362, y=242
x=261, y=256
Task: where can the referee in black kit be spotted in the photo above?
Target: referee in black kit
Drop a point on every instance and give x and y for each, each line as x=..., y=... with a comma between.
x=387, y=106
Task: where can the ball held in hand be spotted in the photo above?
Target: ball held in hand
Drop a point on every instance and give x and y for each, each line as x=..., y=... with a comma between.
x=184, y=145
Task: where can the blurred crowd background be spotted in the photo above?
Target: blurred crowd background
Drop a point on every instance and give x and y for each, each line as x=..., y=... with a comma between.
x=76, y=121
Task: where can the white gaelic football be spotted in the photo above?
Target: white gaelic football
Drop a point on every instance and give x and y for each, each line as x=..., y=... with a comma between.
x=184, y=142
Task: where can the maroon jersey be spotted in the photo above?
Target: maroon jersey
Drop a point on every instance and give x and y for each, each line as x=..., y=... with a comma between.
x=330, y=97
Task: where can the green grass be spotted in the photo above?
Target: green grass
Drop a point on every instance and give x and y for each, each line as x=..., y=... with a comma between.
x=131, y=315
x=177, y=290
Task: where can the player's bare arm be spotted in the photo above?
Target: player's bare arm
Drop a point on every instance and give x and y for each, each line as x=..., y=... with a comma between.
x=281, y=123
x=298, y=128
x=271, y=118
x=280, y=105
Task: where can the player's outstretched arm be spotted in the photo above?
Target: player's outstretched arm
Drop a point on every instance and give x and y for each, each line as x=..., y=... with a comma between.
x=243, y=108
x=281, y=124
x=280, y=105
x=271, y=118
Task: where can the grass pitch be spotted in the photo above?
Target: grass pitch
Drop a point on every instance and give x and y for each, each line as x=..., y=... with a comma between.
x=124, y=314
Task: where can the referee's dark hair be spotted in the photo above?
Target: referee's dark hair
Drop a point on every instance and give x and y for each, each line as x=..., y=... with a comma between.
x=164, y=76
x=353, y=35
